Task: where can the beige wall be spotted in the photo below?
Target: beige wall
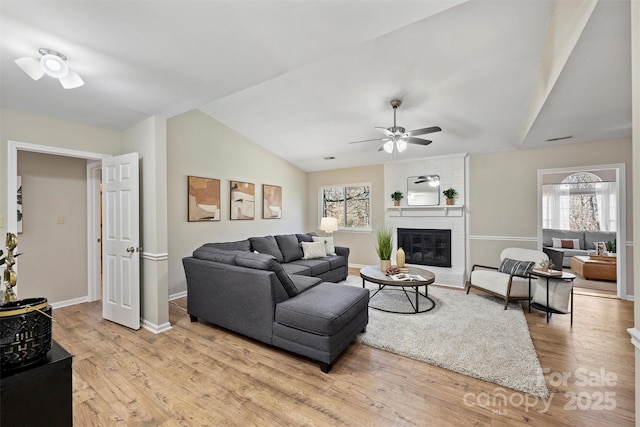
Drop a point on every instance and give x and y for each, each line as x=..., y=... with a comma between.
x=502, y=206
x=198, y=145
x=53, y=263
x=30, y=128
x=34, y=129
x=361, y=244
x=149, y=139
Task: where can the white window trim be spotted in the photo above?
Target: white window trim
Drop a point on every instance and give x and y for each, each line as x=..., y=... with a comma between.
x=340, y=227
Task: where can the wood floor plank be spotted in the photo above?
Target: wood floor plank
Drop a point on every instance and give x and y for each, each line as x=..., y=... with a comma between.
x=197, y=374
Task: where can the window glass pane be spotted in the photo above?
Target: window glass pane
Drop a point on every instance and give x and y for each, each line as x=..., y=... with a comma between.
x=333, y=204
x=584, y=203
x=350, y=205
x=357, y=204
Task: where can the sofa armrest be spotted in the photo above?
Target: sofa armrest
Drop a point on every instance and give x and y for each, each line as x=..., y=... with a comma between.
x=343, y=251
x=238, y=298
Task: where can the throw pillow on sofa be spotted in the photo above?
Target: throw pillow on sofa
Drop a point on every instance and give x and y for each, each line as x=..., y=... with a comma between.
x=306, y=237
x=513, y=266
x=267, y=262
x=216, y=255
x=266, y=245
x=289, y=246
x=313, y=250
x=329, y=248
x=566, y=243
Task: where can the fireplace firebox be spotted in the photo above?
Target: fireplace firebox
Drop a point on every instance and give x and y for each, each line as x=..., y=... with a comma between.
x=425, y=246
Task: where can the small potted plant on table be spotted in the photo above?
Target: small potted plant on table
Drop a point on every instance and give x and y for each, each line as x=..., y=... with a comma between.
x=397, y=196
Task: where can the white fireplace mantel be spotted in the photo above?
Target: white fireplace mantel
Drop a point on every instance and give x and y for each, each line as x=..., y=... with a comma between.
x=439, y=210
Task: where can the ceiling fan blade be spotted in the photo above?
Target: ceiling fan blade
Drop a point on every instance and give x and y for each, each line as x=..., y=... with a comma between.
x=418, y=141
x=369, y=140
x=384, y=130
x=31, y=66
x=71, y=80
x=423, y=131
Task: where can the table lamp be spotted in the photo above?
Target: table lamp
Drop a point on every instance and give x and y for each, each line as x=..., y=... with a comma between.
x=329, y=225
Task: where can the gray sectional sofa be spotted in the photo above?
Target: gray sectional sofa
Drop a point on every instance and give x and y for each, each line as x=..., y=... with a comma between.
x=263, y=288
x=585, y=238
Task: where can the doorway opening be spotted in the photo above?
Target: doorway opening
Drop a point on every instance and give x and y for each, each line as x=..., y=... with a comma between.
x=93, y=206
x=589, y=199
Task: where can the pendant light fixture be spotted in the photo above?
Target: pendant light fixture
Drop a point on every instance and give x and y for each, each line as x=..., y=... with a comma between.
x=53, y=64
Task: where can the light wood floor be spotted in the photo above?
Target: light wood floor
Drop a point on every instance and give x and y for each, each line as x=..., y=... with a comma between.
x=199, y=375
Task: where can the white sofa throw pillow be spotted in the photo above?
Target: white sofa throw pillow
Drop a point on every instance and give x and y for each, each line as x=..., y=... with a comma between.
x=566, y=243
x=329, y=248
x=313, y=250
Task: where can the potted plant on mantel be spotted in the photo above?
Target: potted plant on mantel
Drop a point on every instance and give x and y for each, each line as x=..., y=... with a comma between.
x=397, y=196
x=384, y=248
x=450, y=194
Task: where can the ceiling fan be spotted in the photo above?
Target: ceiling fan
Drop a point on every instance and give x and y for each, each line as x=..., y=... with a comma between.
x=53, y=64
x=397, y=136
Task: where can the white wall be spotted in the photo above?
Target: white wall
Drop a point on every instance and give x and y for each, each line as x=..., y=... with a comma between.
x=198, y=145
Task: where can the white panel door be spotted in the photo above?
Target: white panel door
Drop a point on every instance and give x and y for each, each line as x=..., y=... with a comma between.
x=121, y=240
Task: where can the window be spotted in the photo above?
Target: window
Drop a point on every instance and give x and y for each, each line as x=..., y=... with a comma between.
x=582, y=201
x=350, y=204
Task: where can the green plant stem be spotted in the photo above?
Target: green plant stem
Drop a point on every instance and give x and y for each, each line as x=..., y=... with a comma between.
x=384, y=246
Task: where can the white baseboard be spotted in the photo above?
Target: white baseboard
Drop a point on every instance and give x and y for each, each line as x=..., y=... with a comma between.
x=156, y=329
x=177, y=295
x=69, y=302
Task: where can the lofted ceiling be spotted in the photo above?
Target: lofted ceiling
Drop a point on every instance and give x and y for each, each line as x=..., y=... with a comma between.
x=303, y=79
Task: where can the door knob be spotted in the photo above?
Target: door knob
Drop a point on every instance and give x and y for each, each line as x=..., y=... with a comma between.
x=131, y=249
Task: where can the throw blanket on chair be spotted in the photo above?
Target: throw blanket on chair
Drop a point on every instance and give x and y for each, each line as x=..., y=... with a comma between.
x=559, y=294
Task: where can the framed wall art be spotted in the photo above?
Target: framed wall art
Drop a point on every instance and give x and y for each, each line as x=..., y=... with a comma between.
x=19, y=195
x=271, y=202
x=243, y=200
x=204, y=199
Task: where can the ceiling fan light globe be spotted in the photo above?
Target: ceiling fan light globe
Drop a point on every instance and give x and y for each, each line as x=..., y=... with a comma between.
x=401, y=145
x=54, y=66
x=31, y=66
x=388, y=147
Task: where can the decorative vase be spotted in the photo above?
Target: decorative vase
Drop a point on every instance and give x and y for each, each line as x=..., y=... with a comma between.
x=450, y=201
x=385, y=264
x=396, y=203
x=25, y=332
x=400, y=258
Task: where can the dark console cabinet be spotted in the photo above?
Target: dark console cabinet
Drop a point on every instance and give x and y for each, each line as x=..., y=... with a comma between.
x=40, y=395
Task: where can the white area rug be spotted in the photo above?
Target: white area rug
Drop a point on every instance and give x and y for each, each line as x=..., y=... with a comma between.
x=469, y=334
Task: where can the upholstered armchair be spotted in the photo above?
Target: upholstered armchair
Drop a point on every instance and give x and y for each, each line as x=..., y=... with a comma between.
x=510, y=281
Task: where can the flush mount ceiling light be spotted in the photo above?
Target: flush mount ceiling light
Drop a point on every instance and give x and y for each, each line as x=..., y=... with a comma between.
x=53, y=64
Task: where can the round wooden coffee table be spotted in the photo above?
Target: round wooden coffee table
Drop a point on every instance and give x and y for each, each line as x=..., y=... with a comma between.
x=417, y=277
